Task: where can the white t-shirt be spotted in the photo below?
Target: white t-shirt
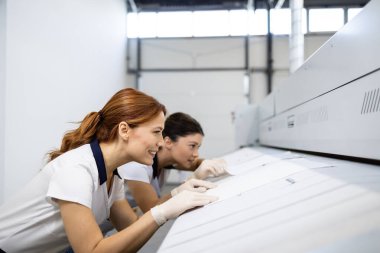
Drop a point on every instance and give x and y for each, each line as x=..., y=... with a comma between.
x=143, y=173
x=31, y=221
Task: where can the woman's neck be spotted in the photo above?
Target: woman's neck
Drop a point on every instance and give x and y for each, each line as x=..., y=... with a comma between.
x=111, y=159
x=164, y=158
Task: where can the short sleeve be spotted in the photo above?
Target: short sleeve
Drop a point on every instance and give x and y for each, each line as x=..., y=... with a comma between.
x=136, y=171
x=119, y=190
x=74, y=184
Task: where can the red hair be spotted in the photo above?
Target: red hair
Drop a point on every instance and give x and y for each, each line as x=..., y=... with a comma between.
x=129, y=105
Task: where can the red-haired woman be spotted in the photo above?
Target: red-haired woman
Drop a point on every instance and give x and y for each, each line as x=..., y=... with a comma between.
x=79, y=187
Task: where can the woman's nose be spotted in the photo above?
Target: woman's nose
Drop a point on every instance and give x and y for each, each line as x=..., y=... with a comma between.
x=196, y=153
x=160, y=142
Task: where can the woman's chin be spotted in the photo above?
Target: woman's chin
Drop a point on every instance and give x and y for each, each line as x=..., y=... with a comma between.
x=185, y=166
x=147, y=161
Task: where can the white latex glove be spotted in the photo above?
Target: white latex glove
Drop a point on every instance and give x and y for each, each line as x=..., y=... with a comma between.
x=210, y=168
x=181, y=202
x=194, y=185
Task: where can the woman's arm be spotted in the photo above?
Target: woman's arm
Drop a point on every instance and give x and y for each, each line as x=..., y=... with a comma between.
x=145, y=195
x=122, y=215
x=85, y=236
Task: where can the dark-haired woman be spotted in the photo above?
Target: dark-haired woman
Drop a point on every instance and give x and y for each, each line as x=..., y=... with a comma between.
x=79, y=187
x=183, y=136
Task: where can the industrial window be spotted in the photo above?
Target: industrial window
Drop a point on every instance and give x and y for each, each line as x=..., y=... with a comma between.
x=281, y=21
x=257, y=24
x=210, y=23
x=181, y=27
x=238, y=21
x=231, y=23
x=352, y=12
x=325, y=20
x=147, y=24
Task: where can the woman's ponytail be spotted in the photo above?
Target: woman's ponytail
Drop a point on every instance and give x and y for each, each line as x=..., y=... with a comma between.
x=129, y=105
x=77, y=137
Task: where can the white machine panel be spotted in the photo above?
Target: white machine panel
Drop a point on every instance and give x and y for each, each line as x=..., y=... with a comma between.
x=266, y=109
x=345, y=121
x=287, y=202
x=351, y=53
x=332, y=103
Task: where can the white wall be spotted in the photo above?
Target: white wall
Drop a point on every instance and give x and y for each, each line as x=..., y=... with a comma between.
x=2, y=92
x=63, y=60
x=211, y=96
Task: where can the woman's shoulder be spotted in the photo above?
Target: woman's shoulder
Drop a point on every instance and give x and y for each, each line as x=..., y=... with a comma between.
x=80, y=157
x=79, y=153
x=134, y=171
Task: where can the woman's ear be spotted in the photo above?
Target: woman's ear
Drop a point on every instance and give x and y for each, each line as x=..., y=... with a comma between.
x=168, y=143
x=124, y=130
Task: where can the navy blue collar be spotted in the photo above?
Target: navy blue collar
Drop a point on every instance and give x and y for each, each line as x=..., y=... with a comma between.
x=99, y=159
x=156, y=173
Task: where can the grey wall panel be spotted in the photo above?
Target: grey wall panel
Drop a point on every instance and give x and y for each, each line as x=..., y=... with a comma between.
x=193, y=53
x=210, y=97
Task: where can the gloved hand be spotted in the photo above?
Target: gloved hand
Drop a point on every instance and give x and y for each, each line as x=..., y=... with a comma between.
x=181, y=202
x=194, y=185
x=210, y=168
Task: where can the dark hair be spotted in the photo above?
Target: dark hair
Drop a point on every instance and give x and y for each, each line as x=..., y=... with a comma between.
x=181, y=124
x=129, y=105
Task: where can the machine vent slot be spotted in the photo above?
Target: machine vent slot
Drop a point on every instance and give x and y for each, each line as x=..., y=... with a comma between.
x=371, y=101
x=291, y=121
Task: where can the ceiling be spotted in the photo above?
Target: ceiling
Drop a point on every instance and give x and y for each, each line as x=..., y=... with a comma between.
x=182, y=5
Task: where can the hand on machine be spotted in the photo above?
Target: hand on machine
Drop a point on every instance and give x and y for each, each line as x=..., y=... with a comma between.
x=178, y=204
x=191, y=193
x=210, y=168
x=194, y=185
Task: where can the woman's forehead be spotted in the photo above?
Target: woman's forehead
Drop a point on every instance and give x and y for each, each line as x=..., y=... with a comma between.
x=196, y=137
x=156, y=121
